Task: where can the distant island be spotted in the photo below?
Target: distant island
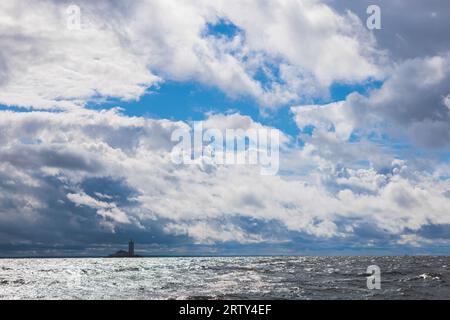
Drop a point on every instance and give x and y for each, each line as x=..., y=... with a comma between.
x=125, y=254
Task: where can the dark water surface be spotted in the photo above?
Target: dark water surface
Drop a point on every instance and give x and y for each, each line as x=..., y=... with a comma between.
x=224, y=278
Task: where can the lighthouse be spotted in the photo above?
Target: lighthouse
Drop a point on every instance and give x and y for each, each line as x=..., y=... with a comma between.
x=131, y=248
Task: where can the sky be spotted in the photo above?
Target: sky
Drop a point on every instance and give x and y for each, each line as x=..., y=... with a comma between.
x=91, y=93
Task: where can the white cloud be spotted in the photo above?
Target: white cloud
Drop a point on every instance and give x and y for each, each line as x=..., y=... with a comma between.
x=47, y=65
x=410, y=105
x=308, y=35
x=104, y=209
x=122, y=51
x=327, y=118
x=204, y=233
x=327, y=202
x=417, y=241
x=344, y=177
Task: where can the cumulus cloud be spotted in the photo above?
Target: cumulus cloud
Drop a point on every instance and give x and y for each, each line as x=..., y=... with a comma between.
x=185, y=200
x=310, y=36
x=410, y=104
x=46, y=65
x=283, y=51
x=203, y=233
x=367, y=170
x=104, y=209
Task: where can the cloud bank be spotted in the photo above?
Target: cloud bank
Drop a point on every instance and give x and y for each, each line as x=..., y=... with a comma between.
x=368, y=173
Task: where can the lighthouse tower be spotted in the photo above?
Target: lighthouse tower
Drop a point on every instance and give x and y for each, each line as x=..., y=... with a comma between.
x=131, y=248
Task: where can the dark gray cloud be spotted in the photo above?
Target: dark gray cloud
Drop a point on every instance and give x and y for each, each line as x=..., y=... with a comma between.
x=36, y=157
x=410, y=29
x=59, y=227
x=413, y=101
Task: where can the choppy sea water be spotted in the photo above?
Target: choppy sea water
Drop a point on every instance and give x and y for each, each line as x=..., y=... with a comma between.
x=224, y=278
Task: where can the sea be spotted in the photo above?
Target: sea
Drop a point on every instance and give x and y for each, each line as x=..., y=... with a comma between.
x=243, y=278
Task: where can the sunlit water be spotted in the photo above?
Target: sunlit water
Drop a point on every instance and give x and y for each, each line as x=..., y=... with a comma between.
x=224, y=278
